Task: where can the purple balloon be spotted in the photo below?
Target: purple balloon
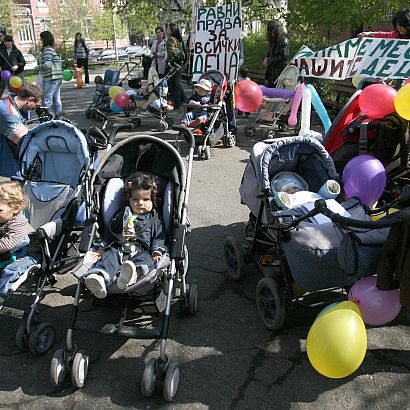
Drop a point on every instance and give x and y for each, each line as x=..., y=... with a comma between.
x=277, y=92
x=6, y=75
x=377, y=307
x=364, y=177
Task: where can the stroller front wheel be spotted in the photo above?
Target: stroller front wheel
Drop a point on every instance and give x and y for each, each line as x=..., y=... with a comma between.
x=163, y=126
x=171, y=381
x=79, y=369
x=250, y=130
x=41, y=338
x=270, y=302
x=229, y=141
x=234, y=258
x=58, y=368
x=149, y=378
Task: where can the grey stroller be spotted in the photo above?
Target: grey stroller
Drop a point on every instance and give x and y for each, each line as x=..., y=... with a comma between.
x=274, y=111
x=160, y=287
x=291, y=246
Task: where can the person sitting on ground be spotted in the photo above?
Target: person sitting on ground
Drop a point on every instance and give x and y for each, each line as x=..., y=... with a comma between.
x=290, y=189
x=401, y=27
x=201, y=96
x=15, y=255
x=135, y=240
x=13, y=112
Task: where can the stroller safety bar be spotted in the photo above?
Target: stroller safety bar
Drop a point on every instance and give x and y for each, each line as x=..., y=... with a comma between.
x=186, y=133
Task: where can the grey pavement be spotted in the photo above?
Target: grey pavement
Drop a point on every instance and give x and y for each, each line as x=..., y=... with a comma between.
x=228, y=359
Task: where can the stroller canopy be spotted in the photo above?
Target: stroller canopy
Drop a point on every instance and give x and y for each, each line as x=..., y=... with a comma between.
x=300, y=154
x=55, y=151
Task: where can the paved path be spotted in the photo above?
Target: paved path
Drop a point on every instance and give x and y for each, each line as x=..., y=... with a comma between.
x=228, y=359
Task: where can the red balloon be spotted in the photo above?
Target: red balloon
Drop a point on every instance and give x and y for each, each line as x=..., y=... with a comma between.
x=248, y=96
x=377, y=100
x=122, y=100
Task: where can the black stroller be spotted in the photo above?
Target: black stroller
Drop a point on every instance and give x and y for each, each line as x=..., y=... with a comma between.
x=166, y=282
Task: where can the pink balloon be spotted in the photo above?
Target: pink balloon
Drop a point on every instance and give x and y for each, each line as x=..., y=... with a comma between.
x=293, y=117
x=248, y=96
x=377, y=100
x=378, y=307
x=407, y=81
x=122, y=100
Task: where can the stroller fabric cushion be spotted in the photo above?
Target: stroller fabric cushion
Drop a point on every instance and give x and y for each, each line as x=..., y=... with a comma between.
x=47, y=201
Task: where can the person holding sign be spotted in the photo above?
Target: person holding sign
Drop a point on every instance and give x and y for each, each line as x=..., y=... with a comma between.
x=175, y=57
x=401, y=27
x=278, y=53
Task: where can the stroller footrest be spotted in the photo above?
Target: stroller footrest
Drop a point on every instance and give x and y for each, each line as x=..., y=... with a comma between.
x=103, y=328
x=138, y=333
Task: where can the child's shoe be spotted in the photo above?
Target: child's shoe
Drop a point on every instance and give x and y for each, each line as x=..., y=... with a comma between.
x=95, y=283
x=128, y=275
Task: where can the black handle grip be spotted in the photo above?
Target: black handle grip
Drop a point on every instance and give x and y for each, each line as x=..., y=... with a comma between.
x=118, y=129
x=186, y=133
x=101, y=114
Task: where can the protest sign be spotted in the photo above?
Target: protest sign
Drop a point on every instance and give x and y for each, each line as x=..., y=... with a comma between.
x=217, y=40
x=366, y=57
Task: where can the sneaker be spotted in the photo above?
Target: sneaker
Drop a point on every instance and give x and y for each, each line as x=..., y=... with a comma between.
x=128, y=275
x=95, y=283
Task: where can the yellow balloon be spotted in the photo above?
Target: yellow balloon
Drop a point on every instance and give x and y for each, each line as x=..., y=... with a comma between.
x=376, y=217
x=356, y=80
x=347, y=304
x=16, y=82
x=337, y=343
x=402, y=102
x=115, y=90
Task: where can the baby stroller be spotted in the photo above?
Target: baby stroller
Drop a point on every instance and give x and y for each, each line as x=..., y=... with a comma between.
x=352, y=133
x=153, y=98
x=166, y=282
x=216, y=127
x=55, y=166
x=275, y=110
x=101, y=99
x=289, y=246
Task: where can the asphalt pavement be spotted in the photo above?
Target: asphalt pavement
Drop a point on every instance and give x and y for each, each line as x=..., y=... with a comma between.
x=227, y=358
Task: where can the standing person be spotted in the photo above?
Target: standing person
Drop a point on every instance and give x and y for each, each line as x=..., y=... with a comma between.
x=11, y=58
x=278, y=53
x=81, y=52
x=52, y=72
x=13, y=108
x=401, y=27
x=159, y=52
x=175, y=57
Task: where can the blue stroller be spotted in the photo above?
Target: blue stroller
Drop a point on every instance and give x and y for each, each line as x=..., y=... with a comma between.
x=296, y=248
x=156, y=290
x=56, y=167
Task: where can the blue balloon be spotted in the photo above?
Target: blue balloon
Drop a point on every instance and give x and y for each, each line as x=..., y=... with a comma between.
x=320, y=108
x=326, y=309
x=114, y=107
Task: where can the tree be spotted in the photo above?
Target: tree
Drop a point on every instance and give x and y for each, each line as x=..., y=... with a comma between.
x=8, y=10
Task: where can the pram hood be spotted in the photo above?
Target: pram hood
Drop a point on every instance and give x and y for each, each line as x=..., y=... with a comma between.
x=288, y=78
x=57, y=150
x=301, y=154
x=218, y=79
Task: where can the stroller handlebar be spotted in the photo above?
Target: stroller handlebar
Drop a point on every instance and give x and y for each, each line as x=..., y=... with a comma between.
x=186, y=133
x=101, y=114
x=321, y=208
x=118, y=129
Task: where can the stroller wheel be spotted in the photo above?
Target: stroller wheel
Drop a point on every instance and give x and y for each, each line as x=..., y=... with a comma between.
x=268, y=134
x=163, y=126
x=149, y=378
x=41, y=338
x=229, y=141
x=250, y=130
x=93, y=114
x=234, y=259
x=87, y=113
x=58, y=368
x=171, y=381
x=207, y=152
x=22, y=337
x=136, y=122
x=270, y=302
x=193, y=299
x=79, y=369
x=282, y=127
x=201, y=152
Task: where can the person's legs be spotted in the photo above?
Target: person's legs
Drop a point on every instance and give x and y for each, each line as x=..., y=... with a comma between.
x=86, y=74
x=179, y=96
x=139, y=264
x=3, y=86
x=48, y=90
x=58, y=107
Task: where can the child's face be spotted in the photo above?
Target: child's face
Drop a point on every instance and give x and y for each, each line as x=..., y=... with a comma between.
x=6, y=213
x=291, y=190
x=140, y=201
x=201, y=92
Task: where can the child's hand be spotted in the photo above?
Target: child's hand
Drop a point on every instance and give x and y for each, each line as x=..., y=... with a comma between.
x=156, y=257
x=96, y=255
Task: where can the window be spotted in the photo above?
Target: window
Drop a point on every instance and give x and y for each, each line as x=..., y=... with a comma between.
x=25, y=34
x=41, y=3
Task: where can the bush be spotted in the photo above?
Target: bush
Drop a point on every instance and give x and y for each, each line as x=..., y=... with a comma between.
x=255, y=48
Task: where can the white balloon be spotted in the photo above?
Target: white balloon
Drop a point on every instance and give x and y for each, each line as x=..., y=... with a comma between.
x=305, y=112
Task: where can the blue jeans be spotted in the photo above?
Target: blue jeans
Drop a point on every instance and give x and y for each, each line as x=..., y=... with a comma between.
x=52, y=99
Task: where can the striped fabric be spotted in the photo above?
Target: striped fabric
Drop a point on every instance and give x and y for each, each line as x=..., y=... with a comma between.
x=81, y=50
x=51, y=65
x=14, y=232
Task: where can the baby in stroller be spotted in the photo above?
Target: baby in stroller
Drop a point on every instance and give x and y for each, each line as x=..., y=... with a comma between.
x=134, y=242
x=15, y=255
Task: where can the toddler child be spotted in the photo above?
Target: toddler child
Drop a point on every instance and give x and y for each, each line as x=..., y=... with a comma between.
x=14, y=240
x=201, y=96
x=136, y=231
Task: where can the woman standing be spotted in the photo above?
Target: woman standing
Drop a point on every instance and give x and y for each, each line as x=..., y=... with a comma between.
x=81, y=52
x=51, y=69
x=159, y=52
x=175, y=57
x=11, y=59
x=278, y=53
